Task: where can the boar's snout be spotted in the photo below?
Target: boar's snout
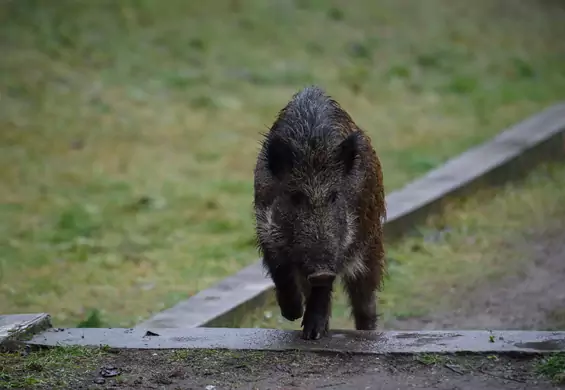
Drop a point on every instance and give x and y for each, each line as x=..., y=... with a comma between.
x=318, y=266
x=319, y=278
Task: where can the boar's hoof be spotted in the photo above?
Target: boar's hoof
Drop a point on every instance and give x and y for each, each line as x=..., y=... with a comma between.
x=291, y=309
x=321, y=278
x=292, y=313
x=314, y=327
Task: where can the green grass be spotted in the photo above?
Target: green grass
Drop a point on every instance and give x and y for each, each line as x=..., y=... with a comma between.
x=473, y=243
x=553, y=367
x=52, y=368
x=431, y=359
x=129, y=130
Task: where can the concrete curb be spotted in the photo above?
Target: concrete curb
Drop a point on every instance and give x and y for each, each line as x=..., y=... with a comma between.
x=17, y=327
x=358, y=342
x=508, y=156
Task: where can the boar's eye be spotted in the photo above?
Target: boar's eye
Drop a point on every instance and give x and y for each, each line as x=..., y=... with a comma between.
x=333, y=196
x=298, y=198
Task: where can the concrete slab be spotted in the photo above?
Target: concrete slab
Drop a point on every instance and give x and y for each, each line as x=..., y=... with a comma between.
x=18, y=326
x=356, y=342
x=508, y=156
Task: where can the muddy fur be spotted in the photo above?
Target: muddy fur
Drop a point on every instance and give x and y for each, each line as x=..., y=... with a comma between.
x=319, y=206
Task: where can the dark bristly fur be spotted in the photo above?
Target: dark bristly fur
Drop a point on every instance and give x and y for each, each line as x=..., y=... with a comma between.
x=320, y=205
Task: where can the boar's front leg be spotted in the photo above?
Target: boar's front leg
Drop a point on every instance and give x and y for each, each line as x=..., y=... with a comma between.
x=318, y=308
x=289, y=297
x=315, y=323
x=361, y=291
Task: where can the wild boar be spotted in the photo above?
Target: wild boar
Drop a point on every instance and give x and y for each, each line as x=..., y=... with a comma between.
x=319, y=205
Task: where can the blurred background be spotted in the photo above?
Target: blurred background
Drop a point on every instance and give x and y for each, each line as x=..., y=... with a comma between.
x=129, y=129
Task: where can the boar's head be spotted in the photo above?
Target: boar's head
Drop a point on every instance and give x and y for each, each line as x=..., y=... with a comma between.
x=308, y=181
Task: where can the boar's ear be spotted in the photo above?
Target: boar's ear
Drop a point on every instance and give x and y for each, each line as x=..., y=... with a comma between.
x=280, y=156
x=348, y=150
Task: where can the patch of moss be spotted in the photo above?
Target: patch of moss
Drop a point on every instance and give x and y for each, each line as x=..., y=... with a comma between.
x=552, y=367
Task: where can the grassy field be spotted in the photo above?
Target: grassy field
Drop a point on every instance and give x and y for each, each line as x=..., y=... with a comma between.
x=128, y=130
x=472, y=244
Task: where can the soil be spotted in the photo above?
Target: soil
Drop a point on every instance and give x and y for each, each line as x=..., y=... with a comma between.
x=529, y=298
x=218, y=370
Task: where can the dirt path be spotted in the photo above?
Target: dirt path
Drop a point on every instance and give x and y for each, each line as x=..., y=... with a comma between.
x=218, y=370
x=532, y=297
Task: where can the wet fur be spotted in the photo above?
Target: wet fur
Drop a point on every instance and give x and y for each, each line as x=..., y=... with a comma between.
x=314, y=149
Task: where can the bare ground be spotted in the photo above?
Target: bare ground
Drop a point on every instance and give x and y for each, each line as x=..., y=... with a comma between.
x=531, y=296
x=258, y=370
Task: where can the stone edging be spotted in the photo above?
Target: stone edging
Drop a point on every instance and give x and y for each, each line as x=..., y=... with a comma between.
x=357, y=342
x=16, y=327
x=508, y=156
